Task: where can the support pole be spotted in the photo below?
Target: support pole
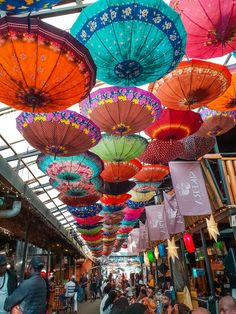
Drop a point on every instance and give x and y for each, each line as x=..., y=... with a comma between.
x=48, y=262
x=184, y=261
x=60, y=271
x=26, y=242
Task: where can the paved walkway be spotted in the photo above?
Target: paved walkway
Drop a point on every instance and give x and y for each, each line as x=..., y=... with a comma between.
x=89, y=308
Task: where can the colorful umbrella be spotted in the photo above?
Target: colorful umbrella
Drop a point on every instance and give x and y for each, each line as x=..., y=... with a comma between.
x=120, y=148
x=121, y=111
x=192, y=84
x=120, y=171
x=141, y=197
x=19, y=6
x=226, y=102
x=95, y=237
x=152, y=173
x=117, y=188
x=88, y=186
x=196, y=146
x=114, y=199
x=63, y=133
x=145, y=187
x=132, y=43
x=161, y=152
x=216, y=123
x=83, y=167
x=135, y=205
x=79, y=201
x=174, y=125
x=43, y=68
x=89, y=231
x=210, y=26
x=85, y=212
x=88, y=221
x=113, y=208
x=131, y=211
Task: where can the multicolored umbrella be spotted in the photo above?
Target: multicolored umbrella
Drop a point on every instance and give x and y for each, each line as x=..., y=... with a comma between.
x=145, y=187
x=120, y=171
x=161, y=152
x=85, y=212
x=121, y=111
x=216, y=123
x=114, y=199
x=141, y=197
x=210, y=26
x=116, y=188
x=196, y=146
x=226, y=102
x=192, y=84
x=174, y=125
x=88, y=186
x=19, y=6
x=79, y=201
x=43, y=68
x=132, y=43
x=83, y=167
x=120, y=148
x=152, y=173
x=63, y=133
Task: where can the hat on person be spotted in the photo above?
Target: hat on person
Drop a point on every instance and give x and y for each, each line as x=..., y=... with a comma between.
x=3, y=260
x=37, y=262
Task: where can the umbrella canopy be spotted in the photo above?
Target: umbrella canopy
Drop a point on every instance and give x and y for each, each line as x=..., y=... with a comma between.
x=196, y=146
x=210, y=26
x=192, y=84
x=174, y=125
x=216, y=123
x=152, y=173
x=43, y=68
x=85, y=212
x=88, y=221
x=120, y=171
x=79, y=201
x=83, y=167
x=120, y=148
x=114, y=199
x=121, y=111
x=116, y=188
x=135, y=205
x=88, y=186
x=94, y=237
x=145, y=187
x=131, y=42
x=141, y=197
x=113, y=208
x=226, y=102
x=19, y=6
x=161, y=152
x=63, y=133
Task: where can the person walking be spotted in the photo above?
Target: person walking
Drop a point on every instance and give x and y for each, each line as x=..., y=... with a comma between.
x=99, y=280
x=83, y=283
x=31, y=295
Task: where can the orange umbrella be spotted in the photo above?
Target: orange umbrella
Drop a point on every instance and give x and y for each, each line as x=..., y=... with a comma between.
x=192, y=84
x=120, y=171
x=114, y=199
x=152, y=173
x=42, y=68
x=226, y=102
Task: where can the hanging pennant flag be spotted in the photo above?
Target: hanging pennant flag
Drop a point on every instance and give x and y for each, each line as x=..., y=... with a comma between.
x=174, y=220
x=190, y=188
x=156, y=222
x=133, y=240
x=143, y=237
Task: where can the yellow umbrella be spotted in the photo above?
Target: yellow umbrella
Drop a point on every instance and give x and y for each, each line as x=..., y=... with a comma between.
x=141, y=197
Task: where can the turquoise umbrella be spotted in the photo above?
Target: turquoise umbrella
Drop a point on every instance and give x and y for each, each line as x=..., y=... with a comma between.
x=132, y=42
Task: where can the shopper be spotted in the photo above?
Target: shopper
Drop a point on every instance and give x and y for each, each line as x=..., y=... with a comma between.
x=227, y=305
x=31, y=296
x=99, y=280
x=112, y=296
x=83, y=283
x=93, y=287
x=166, y=302
x=106, y=291
x=120, y=306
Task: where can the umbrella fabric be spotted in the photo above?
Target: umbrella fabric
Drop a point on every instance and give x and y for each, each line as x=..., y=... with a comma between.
x=131, y=42
x=116, y=188
x=216, y=123
x=120, y=148
x=174, y=125
x=121, y=111
x=85, y=212
x=161, y=152
x=19, y=6
x=196, y=146
x=141, y=197
x=120, y=171
x=83, y=167
x=88, y=221
x=89, y=231
x=192, y=84
x=146, y=187
x=152, y=173
x=131, y=211
x=113, y=208
x=94, y=237
x=43, y=68
x=226, y=102
x=63, y=133
x=135, y=205
x=210, y=26
x=114, y=199
x=79, y=201
x=88, y=186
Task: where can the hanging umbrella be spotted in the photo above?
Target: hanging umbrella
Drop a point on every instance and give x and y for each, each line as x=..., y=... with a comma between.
x=145, y=187
x=83, y=167
x=120, y=148
x=92, y=230
x=174, y=125
x=161, y=152
x=43, y=68
x=63, y=133
x=79, y=201
x=152, y=173
x=88, y=221
x=132, y=43
x=94, y=237
x=141, y=197
x=120, y=171
x=196, y=146
x=19, y=6
x=192, y=84
x=89, y=186
x=117, y=188
x=114, y=199
x=216, y=123
x=210, y=26
x=121, y=111
x=113, y=208
x=226, y=102
x=85, y=212
x=135, y=205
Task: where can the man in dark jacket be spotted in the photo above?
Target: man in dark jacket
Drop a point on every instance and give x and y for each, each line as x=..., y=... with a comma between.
x=31, y=295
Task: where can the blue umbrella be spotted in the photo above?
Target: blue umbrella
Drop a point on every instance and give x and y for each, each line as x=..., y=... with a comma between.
x=85, y=212
x=19, y=6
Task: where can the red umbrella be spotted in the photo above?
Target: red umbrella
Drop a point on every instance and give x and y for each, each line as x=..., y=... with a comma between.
x=77, y=201
x=115, y=199
x=152, y=173
x=174, y=125
x=88, y=221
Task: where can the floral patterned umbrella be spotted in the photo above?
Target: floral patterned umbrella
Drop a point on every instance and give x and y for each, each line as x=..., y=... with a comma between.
x=131, y=42
x=210, y=26
x=152, y=173
x=89, y=187
x=120, y=171
x=145, y=187
x=83, y=167
x=85, y=212
x=174, y=125
x=43, y=69
x=120, y=148
x=63, y=133
x=192, y=84
x=141, y=197
x=121, y=111
x=79, y=201
x=116, y=188
x=19, y=6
